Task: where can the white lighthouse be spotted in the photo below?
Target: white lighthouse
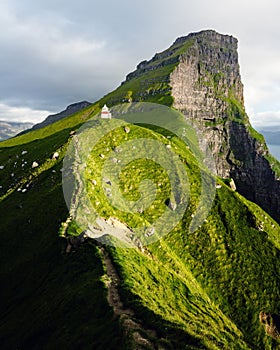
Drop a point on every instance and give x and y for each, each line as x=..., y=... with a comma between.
x=105, y=112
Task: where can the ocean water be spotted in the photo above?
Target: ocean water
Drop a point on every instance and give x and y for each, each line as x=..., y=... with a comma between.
x=274, y=150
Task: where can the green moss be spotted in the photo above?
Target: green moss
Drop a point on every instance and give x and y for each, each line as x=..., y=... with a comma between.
x=257, y=136
x=151, y=85
x=228, y=260
x=275, y=164
x=236, y=110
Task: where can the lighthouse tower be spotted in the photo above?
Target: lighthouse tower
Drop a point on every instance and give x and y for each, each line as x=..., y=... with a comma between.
x=105, y=113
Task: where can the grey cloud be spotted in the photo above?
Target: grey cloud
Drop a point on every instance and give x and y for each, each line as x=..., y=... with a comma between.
x=57, y=52
x=268, y=121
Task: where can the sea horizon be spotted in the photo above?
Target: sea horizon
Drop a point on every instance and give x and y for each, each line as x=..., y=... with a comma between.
x=274, y=150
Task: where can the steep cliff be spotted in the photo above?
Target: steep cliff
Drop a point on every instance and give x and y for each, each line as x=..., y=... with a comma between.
x=206, y=84
x=199, y=75
x=207, y=89
x=213, y=288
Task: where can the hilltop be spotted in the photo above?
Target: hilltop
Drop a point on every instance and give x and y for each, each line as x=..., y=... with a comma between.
x=199, y=75
x=215, y=287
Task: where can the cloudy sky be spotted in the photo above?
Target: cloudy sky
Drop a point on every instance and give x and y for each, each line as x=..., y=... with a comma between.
x=57, y=52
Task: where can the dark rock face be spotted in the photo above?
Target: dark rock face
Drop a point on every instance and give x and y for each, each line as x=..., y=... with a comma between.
x=200, y=73
x=207, y=89
x=71, y=109
x=271, y=323
x=204, y=81
x=254, y=176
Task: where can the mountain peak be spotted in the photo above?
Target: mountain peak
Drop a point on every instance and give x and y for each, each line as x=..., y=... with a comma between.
x=209, y=34
x=213, y=288
x=199, y=75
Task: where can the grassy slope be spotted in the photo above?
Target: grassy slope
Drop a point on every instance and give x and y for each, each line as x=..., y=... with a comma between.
x=187, y=285
x=153, y=84
x=48, y=299
x=200, y=290
x=228, y=260
x=209, y=282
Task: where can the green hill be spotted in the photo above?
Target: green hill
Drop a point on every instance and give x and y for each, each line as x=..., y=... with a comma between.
x=201, y=289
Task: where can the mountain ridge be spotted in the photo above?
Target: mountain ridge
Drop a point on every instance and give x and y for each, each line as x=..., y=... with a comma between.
x=201, y=290
x=70, y=109
x=199, y=75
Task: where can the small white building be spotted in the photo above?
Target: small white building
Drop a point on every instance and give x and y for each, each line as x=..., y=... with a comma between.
x=105, y=113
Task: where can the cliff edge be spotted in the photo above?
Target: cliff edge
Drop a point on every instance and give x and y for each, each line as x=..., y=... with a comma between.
x=199, y=75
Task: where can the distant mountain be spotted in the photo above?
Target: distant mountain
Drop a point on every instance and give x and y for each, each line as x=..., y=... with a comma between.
x=10, y=129
x=71, y=109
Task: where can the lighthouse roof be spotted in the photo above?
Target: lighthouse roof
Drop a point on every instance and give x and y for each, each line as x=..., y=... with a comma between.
x=105, y=108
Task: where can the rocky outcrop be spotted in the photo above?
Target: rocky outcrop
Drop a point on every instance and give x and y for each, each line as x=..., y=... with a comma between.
x=252, y=171
x=204, y=81
x=271, y=324
x=207, y=89
x=199, y=75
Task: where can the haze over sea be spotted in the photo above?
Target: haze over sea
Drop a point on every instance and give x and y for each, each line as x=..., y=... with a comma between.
x=274, y=150
x=272, y=138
